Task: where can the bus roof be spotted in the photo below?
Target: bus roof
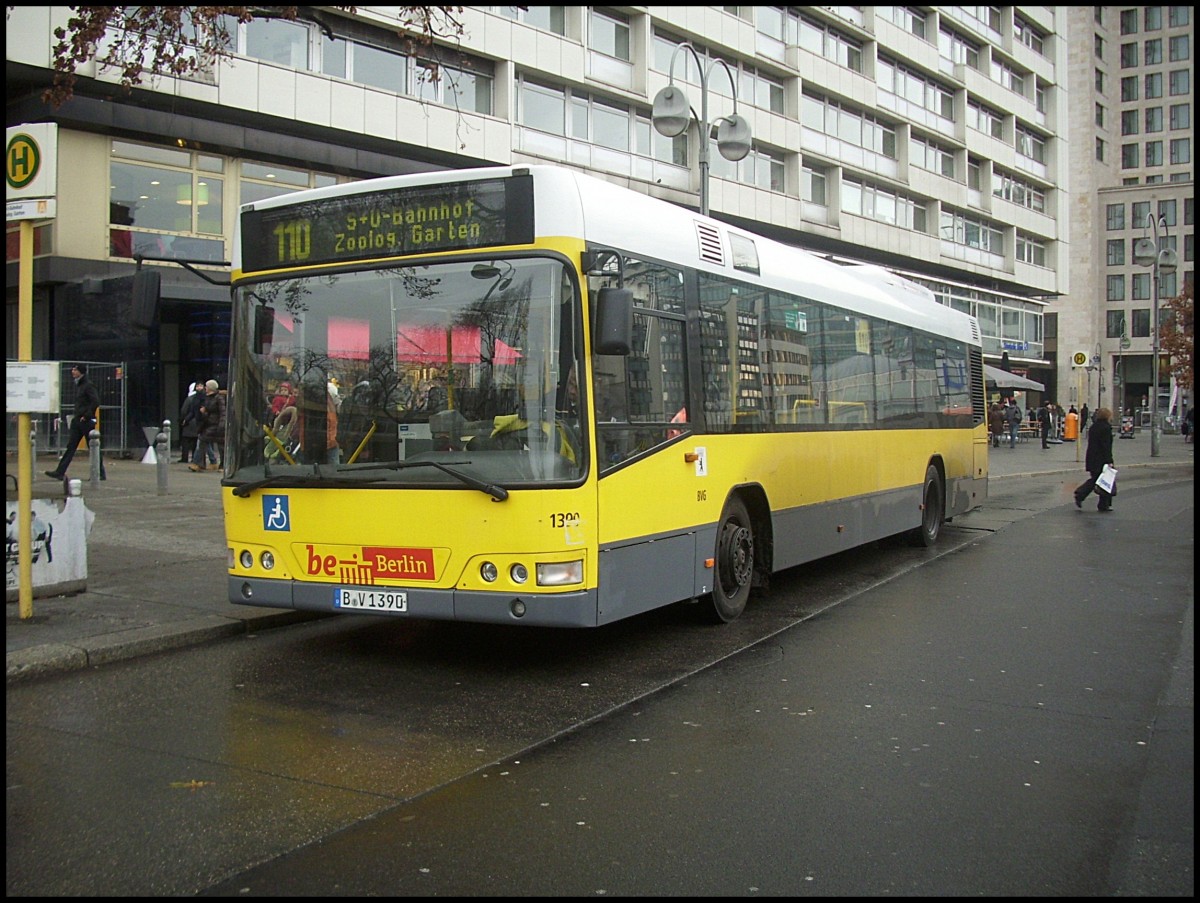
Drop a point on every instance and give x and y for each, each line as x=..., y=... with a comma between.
x=575, y=204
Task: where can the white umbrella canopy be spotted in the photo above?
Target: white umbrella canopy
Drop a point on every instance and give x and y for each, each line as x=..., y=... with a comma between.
x=1002, y=379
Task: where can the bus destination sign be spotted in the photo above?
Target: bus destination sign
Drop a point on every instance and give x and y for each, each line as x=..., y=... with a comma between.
x=421, y=220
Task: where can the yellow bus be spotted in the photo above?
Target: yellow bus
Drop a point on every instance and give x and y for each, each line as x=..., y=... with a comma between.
x=523, y=395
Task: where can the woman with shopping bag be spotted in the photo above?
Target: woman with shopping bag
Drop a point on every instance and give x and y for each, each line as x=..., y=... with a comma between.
x=1099, y=457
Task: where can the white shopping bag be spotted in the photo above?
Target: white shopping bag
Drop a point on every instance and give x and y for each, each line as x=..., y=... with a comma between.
x=1107, y=479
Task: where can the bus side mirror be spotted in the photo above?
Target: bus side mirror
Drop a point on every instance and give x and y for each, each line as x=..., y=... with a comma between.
x=614, y=321
x=147, y=285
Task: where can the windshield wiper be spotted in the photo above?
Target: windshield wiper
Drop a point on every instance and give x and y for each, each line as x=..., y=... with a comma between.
x=498, y=493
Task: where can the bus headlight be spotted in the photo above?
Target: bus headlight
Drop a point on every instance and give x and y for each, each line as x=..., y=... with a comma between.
x=519, y=573
x=267, y=560
x=488, y=572
x=246, y=558
x=560, y=573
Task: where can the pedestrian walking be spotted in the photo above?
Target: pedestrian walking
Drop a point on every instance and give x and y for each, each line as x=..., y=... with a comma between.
x=212, y=429
x=995, y=424
x=1012, y=415
x=189, y=422
x=1045, y=415
x=1099, y=453
x=1083, y=419
x=83, y=421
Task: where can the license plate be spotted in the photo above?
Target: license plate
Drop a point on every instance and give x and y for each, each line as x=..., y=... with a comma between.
x=371, y=600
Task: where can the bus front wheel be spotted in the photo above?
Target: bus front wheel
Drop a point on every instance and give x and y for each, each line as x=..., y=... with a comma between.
x=933, y=507
x=734, y=562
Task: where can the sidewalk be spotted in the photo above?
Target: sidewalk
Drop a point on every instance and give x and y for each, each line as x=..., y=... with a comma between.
x=156, y=563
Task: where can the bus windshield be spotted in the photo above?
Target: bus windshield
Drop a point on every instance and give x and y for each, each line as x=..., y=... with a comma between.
x=461, y=373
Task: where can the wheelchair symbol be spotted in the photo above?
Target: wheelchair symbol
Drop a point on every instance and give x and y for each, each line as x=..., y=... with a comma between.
x=275, y=513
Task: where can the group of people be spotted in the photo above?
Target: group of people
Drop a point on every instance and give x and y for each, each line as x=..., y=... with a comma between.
x=286, y=409
x=1005, y=420
x=202, y=426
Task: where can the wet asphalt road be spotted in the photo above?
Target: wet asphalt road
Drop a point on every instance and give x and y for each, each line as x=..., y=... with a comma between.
x=932, y=725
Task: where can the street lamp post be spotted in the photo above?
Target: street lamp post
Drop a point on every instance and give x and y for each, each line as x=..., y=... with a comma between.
x=1151, y=253
x=672, y=112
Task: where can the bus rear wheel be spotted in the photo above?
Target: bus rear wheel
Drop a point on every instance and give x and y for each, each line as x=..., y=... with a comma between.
x=933, y=507
x=734, y=562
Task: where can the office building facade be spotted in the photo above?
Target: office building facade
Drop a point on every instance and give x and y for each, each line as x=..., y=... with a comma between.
x=938, y=142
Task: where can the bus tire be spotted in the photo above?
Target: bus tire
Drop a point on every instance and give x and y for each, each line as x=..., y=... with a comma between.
x=933, y=510
x=733, y=563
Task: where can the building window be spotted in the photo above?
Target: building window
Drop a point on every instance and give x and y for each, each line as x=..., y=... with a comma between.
x=1031, y=249
x=163, y=202
x=1178, y=16
x=1019, y=191
x=814, y=181
x=906, y=17
x=279, y=41
x=1115, y=216
x=1129, y=21
x=985, y=119
x=1028, y=35
x=1129, y=55
x=928, y=155
x=760, y=168
x=820, y=39
x=763, y=91
x=1129, y=88
x=1181, y=82
x=1154, y=85
x=958, y=50
x=1141, y=286
x=1116, y=252
x=1129, y=156
x=1180, y=116
x=1152, y=51
x=1154, y=153
x=609, y=34
x=882, y=204
x=1031, y=145
x=1115, y=289
x=1114, y=324
x=916, y=89
x=1153, y=18
x=547, y=18
x=1167, y=210
x=1129, y=122
x=1181, y=150
x=543, y=108
x=259, y=181
x=1139, y=321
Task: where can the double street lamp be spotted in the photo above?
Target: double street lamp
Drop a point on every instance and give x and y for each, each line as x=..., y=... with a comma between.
x=673, y=112
x=1163, y=260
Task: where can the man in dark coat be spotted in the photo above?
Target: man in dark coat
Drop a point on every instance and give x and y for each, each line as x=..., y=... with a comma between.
x=83, y=420
x=1045, y=421
x=1099, y=453
x=189, y=422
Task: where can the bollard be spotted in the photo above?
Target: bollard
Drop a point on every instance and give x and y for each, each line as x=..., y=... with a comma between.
x=162, y=449
x=97, y=466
